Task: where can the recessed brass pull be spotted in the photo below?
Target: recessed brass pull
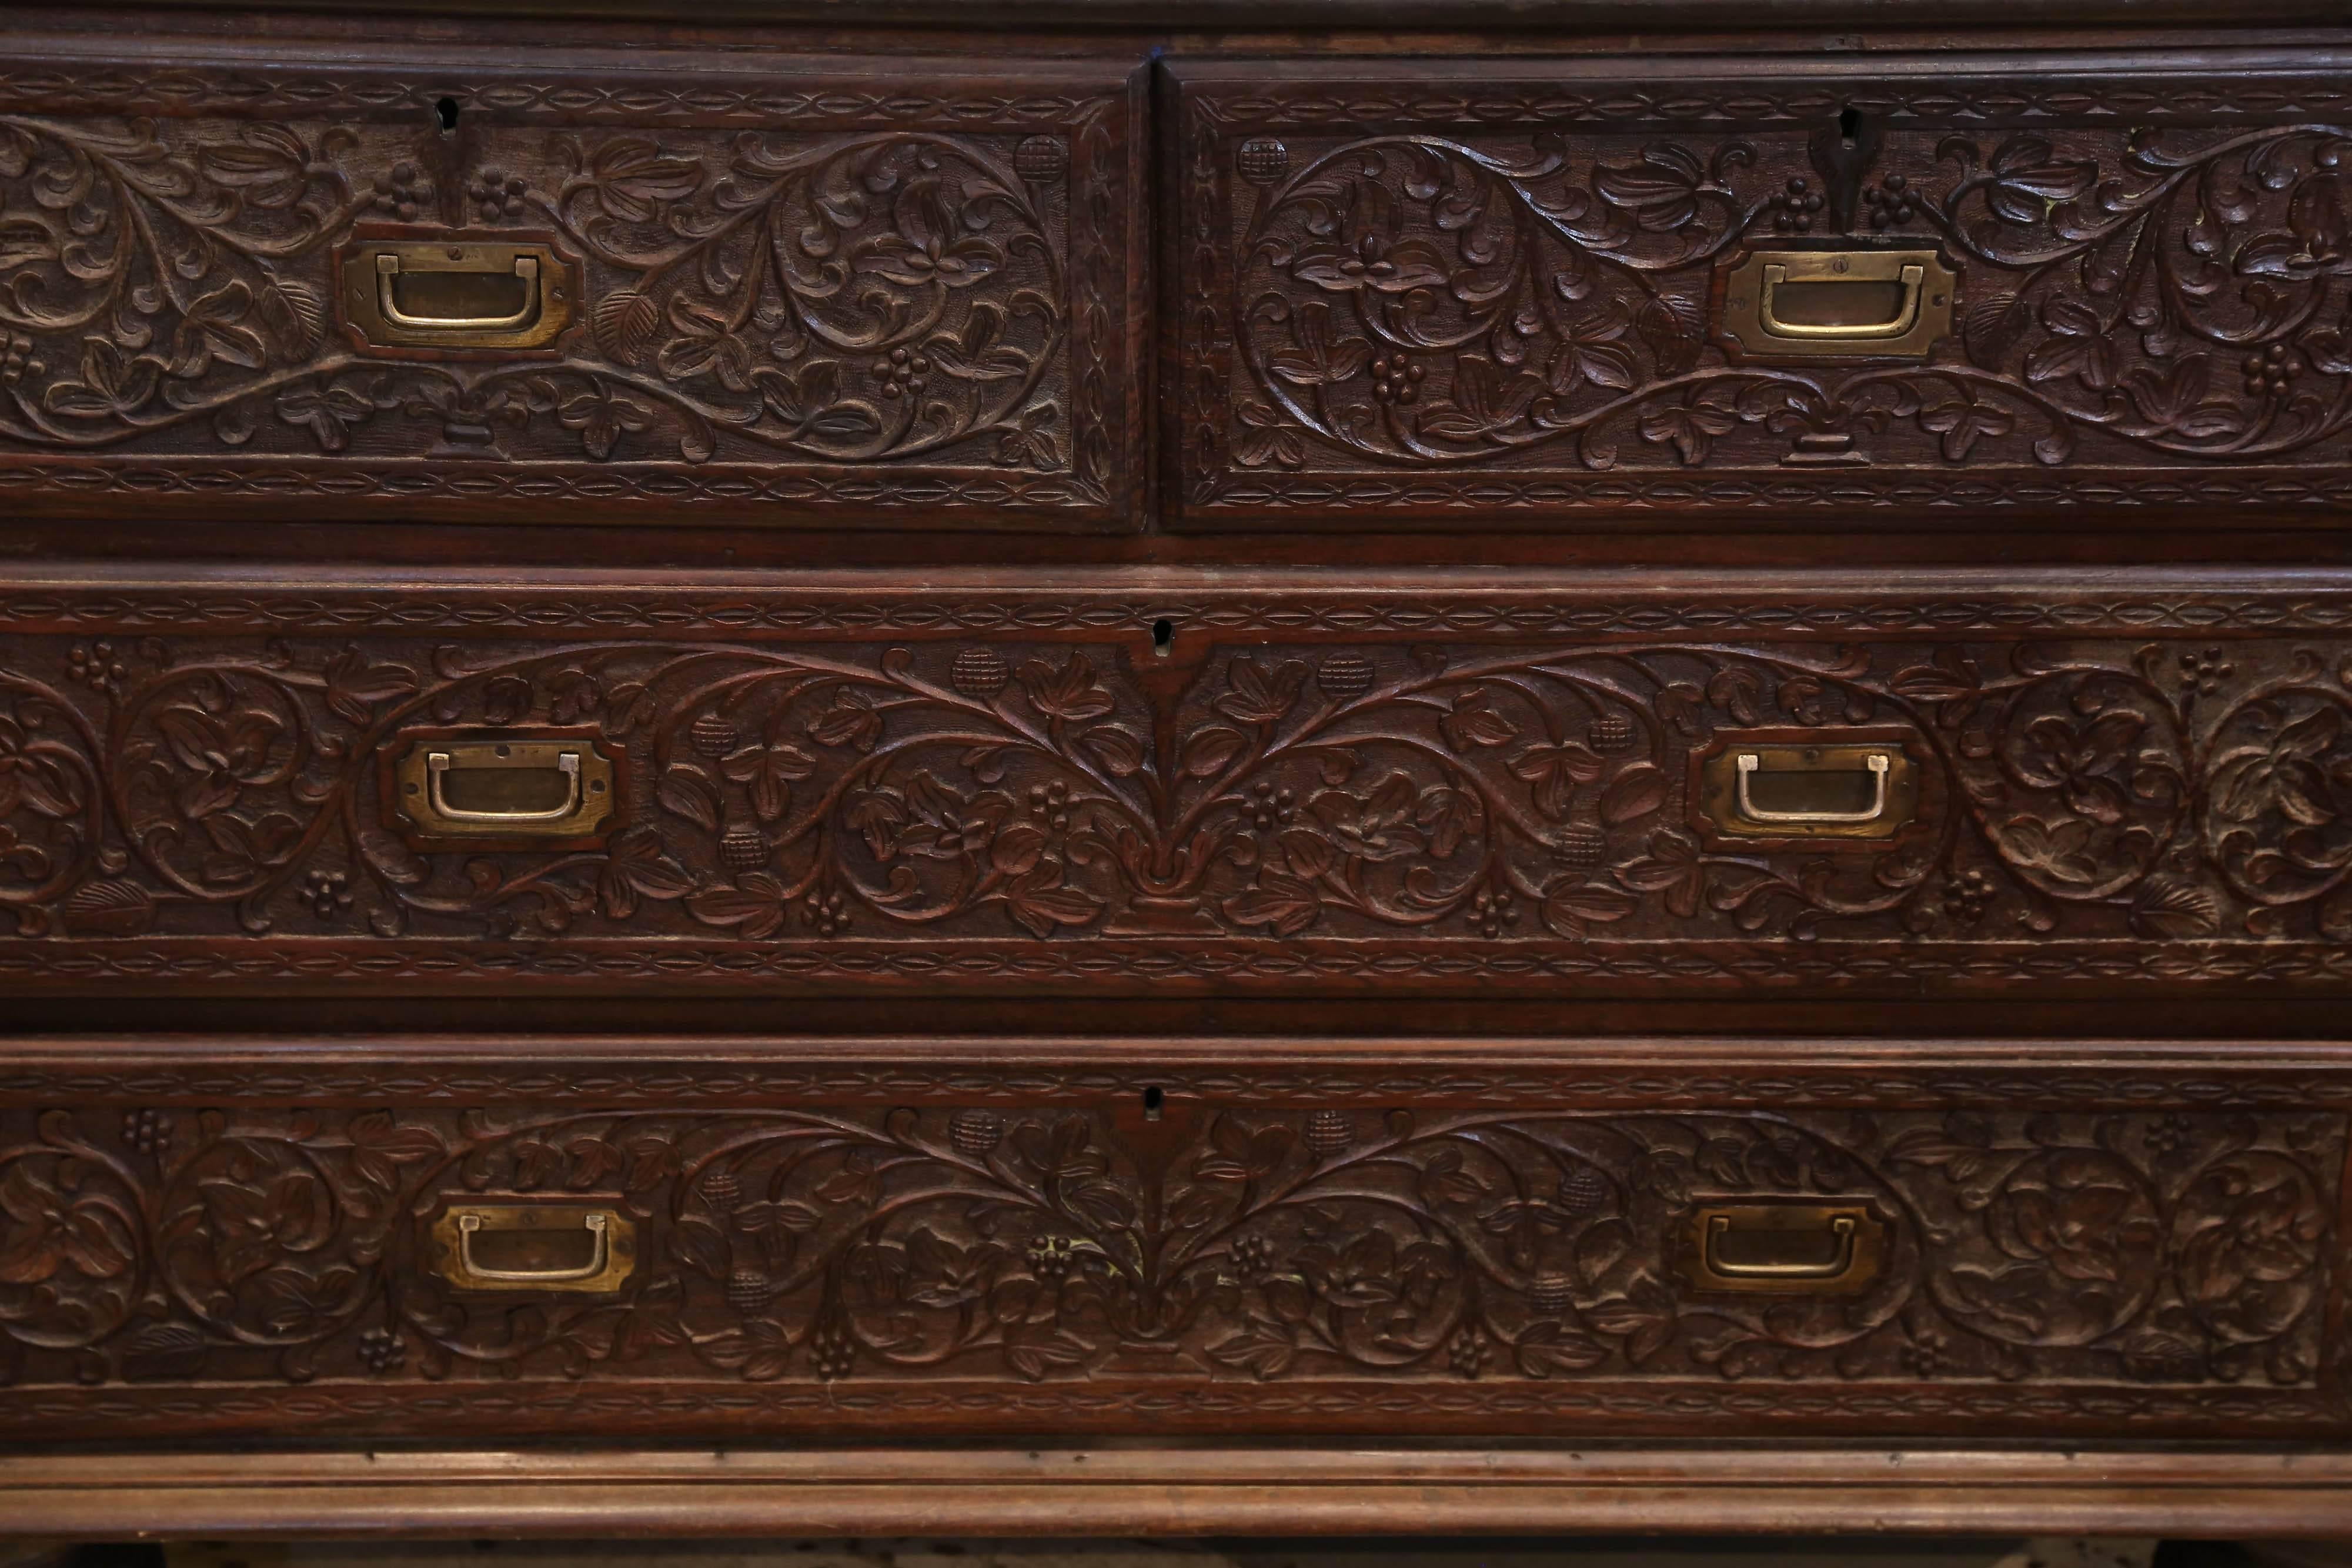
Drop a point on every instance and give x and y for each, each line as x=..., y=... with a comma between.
x=458, y=293
x=532, y=1246
x=504, y=790
x=1756, y=789
x=1748, y=763
x=388, y=280
x=436, y=773
x=1784, y=306
x=1817, y=304
x=1785, y=1247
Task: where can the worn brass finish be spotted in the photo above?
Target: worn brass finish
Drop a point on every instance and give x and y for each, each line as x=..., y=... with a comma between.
x=1785, y=1247
x=476, y=789
x=1753, y=790
x=1838, y=304
x=458, y=293
x=533, y=1246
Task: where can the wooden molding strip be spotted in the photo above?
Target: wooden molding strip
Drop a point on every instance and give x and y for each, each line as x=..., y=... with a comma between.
x=1164, y=1490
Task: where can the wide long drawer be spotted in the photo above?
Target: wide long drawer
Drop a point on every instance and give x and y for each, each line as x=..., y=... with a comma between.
x=1870, y=287
x=462, y=1239
x=519, y=280
x=2081, y=784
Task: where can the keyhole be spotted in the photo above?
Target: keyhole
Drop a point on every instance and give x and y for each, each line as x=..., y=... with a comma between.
x=1850, y=124
x=1152, y=1101
x=447, y=112
x=1163, y=636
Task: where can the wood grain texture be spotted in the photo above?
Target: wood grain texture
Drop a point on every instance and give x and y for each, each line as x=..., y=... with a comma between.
x=1414, y=289
x=815, y=291
x=1001, y=1239
x=1223, y=1488
x=2125, y=783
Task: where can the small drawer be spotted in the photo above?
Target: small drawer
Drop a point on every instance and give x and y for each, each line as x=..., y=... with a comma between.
x=569, y=285
x=452, y=1238
x=1896, y=291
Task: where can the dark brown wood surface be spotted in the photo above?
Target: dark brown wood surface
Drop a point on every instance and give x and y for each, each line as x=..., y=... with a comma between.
x=1495, y=289
x=1238, y=1236
x=1160, y=884
x=2128, y=784
x=1128, y=1489
x=895, y=291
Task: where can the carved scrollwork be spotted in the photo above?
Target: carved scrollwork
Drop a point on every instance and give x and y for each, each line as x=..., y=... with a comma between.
x=1032, y=798
x=916, y=298
x=872, y=1247
x=1412, y=298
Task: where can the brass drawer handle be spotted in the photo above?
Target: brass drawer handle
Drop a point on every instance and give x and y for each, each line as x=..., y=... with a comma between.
x=436, y=772
x=458, y=293
x=1749, y=763
x=389, y=274
x=479, y=789
x=1757, y=788
x=1786, y=1248
x=1833, y=303
x=538, y=1241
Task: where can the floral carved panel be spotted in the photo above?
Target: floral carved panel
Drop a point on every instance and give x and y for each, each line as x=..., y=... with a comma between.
x=2123, y=801
x=1500, y=288
x=808, y=299
x=1011, y=1263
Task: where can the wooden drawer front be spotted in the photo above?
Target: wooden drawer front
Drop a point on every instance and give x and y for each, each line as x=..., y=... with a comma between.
x=793, y=290
x=2112, y=791
x=1256, y=1238
x=1502, y=287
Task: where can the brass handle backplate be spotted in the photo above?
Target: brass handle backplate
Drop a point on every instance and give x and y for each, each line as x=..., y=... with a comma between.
x=1838, y=304
x=528, y=791
x=1785, y=1247
x=1752, y=790
x=458, y=292
x=532, y=1246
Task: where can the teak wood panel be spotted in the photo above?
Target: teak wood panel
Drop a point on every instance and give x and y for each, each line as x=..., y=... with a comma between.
x=894, y=290
x=1237, y=1237
x=2128, y=785
x=1493, y=288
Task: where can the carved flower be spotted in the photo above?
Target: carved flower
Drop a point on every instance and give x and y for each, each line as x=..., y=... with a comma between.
x=944, y=826
x=222, y=753
x=771, y=770
x=631, y=180
x=2027, y=180
x=706, y=344
x=1378, y=826
x=1074, y=690
x=1318, y=359
x=1262, y=438
x=2289, y=775
x=2318, y=241
x=2061, y=849
x=1026, y=440
x=53, y=1223
x=2078, y=1212
x=2079, y=759
x=931, y=244
x=2257, y=1229
x=27, y=777
x=1372, y=262
x=1485, y=399
x=2079, y=345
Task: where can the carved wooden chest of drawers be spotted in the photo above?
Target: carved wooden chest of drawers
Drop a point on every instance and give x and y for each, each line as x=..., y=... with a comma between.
x=1062, y=769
